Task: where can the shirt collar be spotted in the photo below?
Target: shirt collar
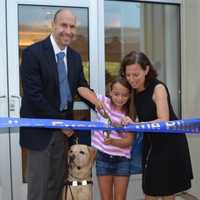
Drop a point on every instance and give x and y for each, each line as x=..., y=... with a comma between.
x=56, y=47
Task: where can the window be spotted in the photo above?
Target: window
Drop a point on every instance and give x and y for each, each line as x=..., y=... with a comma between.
x=149, y=27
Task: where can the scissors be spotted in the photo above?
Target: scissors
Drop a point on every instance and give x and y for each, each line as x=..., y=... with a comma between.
x=109, y=123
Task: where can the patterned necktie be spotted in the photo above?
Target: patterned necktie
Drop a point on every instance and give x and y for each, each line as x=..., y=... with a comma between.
x=65, y=94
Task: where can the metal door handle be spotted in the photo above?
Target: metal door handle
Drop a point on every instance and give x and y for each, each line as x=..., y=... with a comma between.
x=15, y=97
x=13, y=105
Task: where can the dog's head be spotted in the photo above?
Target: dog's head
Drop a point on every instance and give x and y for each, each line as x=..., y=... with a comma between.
x=80, y=161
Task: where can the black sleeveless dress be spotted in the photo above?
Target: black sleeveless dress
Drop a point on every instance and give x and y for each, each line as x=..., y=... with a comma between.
x=166, y=160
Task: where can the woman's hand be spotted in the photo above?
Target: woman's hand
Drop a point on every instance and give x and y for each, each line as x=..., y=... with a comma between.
x=126, y=121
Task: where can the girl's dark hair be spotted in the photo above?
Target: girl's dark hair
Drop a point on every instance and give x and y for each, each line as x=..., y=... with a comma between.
x=138, y=58
x=122, y=81
x=129, y=106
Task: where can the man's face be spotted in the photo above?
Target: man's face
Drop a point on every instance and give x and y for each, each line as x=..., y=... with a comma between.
x=64, y=28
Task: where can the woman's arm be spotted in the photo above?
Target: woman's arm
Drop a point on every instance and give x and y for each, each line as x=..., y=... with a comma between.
x=122, y=143
x=161, y=100
x=160, y=97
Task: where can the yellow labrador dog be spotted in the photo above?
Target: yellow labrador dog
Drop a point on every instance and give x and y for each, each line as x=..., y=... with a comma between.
x=79, y=181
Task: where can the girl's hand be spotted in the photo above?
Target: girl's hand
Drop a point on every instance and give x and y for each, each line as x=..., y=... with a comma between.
x=108, y=140
x=126, y=120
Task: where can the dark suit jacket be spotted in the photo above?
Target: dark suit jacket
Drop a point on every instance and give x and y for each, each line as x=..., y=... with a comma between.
x=41, y=98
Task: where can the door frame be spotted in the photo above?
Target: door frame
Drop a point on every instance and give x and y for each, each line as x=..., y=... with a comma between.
x=10, y=60
x=135, y=181
x=5, y=172
x=19, y=189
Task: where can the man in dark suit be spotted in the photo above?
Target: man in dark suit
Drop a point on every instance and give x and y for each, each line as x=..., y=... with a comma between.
x=42, y=98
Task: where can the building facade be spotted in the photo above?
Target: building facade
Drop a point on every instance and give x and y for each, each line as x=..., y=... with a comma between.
x=167, y=30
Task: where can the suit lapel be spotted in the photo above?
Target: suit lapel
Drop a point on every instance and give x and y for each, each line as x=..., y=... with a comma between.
x=70, y=65
x=50, y=58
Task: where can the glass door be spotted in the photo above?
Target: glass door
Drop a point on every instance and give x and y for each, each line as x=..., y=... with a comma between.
x=5, y=181
x=144, y=26
x=30, y=21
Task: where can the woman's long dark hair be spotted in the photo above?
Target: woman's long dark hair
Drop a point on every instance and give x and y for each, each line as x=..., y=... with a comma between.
x=138, y=58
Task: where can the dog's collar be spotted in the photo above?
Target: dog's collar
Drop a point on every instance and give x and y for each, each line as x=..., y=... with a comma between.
x=76, y=183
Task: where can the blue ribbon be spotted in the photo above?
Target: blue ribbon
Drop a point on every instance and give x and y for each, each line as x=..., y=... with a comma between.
x=176, y=126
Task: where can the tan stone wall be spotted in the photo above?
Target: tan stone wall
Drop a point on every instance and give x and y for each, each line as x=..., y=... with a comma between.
x=191, y=79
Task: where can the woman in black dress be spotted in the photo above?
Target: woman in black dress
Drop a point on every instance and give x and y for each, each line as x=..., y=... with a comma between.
x=166, y=160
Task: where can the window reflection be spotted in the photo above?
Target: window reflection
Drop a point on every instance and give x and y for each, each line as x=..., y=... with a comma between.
x=149, y=27
x=35, y=24
x=122, y=33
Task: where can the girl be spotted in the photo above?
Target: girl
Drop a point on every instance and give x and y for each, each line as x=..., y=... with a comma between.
x=166, y=160
x=113, y=150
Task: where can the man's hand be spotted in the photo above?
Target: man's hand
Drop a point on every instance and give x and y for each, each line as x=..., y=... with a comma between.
x=100, y=108
x=68, y=132
x=98, y=105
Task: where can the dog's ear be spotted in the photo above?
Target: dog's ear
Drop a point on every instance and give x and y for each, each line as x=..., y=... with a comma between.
x=92, y=153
